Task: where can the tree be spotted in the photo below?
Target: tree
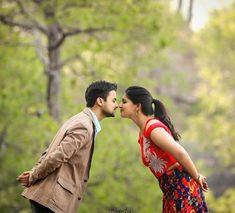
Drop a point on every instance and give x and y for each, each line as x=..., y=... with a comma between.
x=46, y=22
x=216, y=63
x=213, y=121
x=190, y=9
x=125, y=54
x=51, y=23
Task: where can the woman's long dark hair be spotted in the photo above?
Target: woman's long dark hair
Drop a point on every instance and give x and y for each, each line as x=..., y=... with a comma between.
x=139, y=95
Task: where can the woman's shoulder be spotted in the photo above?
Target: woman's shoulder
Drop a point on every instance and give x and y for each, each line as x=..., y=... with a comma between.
x=154, y=122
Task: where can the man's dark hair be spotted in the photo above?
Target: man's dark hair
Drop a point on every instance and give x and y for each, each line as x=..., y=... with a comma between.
x=98, y=89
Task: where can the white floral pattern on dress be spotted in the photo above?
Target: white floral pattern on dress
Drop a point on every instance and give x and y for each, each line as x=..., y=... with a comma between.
x=156, y=163
x=146, y=145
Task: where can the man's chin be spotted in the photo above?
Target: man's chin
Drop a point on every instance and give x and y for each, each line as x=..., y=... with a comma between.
x=109, y=115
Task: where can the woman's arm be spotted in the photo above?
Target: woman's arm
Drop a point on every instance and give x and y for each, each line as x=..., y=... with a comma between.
x=164, y=141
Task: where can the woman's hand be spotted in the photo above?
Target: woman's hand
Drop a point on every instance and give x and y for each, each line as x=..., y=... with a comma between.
x=201, y=180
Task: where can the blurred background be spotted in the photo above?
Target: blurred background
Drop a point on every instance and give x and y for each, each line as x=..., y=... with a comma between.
x=183, y=51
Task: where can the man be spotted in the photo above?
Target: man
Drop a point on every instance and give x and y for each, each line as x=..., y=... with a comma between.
x=58, y=181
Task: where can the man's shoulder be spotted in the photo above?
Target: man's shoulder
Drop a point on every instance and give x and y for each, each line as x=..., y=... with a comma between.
x=84, y=114
x=80, y=120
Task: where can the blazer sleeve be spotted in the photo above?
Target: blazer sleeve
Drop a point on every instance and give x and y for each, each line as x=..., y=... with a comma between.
x=61, y=154
x=43, y=155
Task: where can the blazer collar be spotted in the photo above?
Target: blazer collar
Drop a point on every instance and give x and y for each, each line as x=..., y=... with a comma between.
x=95, y=121
x=87, y=112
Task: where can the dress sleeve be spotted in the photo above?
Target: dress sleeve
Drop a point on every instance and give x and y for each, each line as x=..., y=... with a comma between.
x=148, y=131
x=139, y=139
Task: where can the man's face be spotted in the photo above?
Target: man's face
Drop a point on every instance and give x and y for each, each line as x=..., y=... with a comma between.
x=110, y=105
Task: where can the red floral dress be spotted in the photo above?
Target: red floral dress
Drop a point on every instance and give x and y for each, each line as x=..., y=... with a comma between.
x=181, y=193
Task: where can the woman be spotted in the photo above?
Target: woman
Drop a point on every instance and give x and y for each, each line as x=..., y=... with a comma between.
x=179, y=180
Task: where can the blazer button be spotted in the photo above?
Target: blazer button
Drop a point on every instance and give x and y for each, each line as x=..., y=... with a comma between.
x=79, y=198
x=85, y=180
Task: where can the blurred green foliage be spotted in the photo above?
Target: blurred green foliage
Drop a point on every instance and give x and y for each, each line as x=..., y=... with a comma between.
x=140, y=49
x=213, y=119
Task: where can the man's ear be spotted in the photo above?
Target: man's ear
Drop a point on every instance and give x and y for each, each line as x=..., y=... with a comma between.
x=99, y=101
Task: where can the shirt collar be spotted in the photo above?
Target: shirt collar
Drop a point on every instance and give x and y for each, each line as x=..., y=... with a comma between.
x=95, y=121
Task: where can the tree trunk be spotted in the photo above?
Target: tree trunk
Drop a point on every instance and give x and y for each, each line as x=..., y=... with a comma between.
x=190, y=11
x=179, y=6
x=53, y=72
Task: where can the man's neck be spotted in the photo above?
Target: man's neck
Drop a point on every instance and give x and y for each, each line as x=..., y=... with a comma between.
x=97, y=112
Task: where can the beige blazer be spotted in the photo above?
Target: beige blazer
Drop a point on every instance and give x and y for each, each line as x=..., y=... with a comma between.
x=60, y=176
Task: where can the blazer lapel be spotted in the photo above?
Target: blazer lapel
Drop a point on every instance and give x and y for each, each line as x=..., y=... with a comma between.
x=87, y=173
x=91, y=152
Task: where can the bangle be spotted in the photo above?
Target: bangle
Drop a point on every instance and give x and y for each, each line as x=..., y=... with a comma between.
x=198, y=176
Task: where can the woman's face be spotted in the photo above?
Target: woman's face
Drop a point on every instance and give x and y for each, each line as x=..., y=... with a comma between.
x=127, y=108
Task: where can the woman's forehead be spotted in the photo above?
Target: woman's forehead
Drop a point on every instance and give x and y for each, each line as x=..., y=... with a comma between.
x=125, y=97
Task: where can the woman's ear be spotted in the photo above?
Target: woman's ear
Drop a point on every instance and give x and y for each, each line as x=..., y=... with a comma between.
x=138, y=107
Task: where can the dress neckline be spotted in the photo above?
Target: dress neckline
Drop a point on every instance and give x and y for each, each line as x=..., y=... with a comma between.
x=149, y=119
